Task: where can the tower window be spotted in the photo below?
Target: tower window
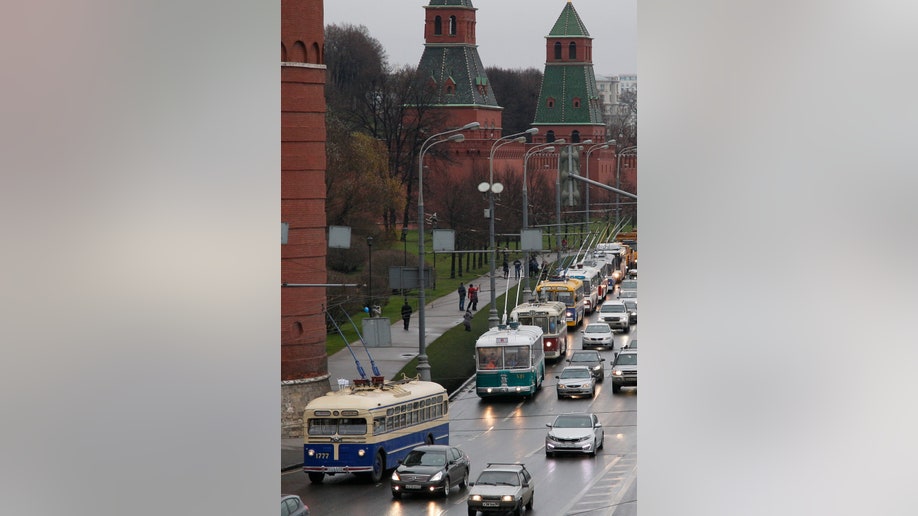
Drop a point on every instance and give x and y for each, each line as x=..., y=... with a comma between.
x=550, y=103
x=575, y=136
x=557, y=50
x=572, y=51
x=438, y=26
x=550, y=136
x=576, y=102
x=452, y=25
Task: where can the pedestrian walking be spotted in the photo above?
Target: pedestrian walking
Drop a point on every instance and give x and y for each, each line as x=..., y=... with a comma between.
x=406, y=314
x=473, y=297
x=533, y=267
x=461, y=291
x=467, y=320
x=518, y=267
x=506, y=268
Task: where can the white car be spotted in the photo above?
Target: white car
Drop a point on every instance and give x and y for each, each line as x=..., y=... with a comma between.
x=597, y=335
x=574, y=433
x=615, y=314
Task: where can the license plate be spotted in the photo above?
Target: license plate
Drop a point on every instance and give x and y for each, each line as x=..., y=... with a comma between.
x=490, y=504
x=412, y=486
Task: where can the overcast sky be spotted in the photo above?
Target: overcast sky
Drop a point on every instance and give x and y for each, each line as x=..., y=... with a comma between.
x=510, y=33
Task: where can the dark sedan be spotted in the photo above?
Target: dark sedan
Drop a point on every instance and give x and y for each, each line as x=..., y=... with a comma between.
x=434, y=468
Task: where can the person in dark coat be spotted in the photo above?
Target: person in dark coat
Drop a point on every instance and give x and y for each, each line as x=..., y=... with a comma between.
x=518, y=267
x=506, y=268
x=461, y=291
x=406, y=314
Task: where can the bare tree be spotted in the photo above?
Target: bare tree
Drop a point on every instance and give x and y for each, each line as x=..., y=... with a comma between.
x=623, y=126
x=517, y=91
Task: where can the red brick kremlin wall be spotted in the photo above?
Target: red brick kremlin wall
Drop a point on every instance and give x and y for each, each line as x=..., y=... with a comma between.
x=304, y=365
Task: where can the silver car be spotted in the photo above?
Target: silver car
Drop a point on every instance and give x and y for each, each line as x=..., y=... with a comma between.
x=597, y=335
x=576, y=381
x=292, y=505
x=574, y=433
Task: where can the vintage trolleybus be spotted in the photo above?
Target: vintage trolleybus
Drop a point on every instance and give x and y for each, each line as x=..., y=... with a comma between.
x=509, y=361
x=368, y=428
x=592, y=292
x=567, y=290
x=550, y=316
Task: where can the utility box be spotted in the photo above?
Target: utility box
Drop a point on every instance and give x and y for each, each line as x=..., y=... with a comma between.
x=377, y=332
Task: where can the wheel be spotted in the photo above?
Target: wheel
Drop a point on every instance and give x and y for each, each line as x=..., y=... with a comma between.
x=616, y=388
x=548, y=454
x=316, y=478
x=628, y=329
x=560, y=396
x=397, y=495
x=379, y=467
x=465, y=481
x=472, y=512
x=602, y=441
x=531, y=500
x=446, y=487
x=517, y=511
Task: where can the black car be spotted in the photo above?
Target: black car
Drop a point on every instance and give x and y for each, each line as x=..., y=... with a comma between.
x=433, y=468
x=591, y=359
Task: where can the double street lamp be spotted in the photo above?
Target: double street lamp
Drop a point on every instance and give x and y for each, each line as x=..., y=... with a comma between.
x=423, y=365
x=570, y=172
x=535, y=149
x=618, y=177
x=587, y=186
x=492, y=188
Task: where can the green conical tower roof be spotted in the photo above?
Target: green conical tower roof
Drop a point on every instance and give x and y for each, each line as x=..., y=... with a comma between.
x=450, y=62
x=569, y=24
x=569, y=95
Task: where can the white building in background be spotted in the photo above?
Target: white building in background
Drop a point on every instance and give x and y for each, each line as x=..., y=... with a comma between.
x=610, y=89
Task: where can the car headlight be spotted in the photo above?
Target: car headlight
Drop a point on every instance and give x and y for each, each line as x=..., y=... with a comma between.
x=395, y=476
x=437, y=477
x=475, y=498
x=617, y=372
x=597, y=367
x=506, y=498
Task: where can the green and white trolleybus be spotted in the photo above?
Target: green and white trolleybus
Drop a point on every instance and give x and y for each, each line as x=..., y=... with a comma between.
x=509, y=361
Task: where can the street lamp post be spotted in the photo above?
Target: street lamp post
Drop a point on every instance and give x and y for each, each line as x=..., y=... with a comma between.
x=423, y=367
x=570, y=172
x=370, y=279
x=618, y=177
x=536, y=149
x=587, y=185
x=492, y=188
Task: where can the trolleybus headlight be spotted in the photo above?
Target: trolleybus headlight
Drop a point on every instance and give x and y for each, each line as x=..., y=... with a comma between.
x=361, y=452
x=311, y=452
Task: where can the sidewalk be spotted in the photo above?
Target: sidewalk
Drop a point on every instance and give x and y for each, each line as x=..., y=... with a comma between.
x=441, y=314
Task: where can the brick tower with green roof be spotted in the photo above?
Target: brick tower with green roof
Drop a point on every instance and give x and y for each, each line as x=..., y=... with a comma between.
x=453, y=67
x=569, y=104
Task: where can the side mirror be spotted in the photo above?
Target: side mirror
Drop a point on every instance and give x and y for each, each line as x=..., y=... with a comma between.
x=557, y=377
x=548, y=425
x=471, y=484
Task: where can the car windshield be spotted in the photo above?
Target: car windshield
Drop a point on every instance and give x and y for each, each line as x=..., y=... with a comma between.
x=632, y=305
x=575, y=373
x=425, y=458
x=506, y=478
x=597, y=328
x=573, y=422
x=628, y=293
x=626, y=359
x=613, y=308
x=582, y=357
